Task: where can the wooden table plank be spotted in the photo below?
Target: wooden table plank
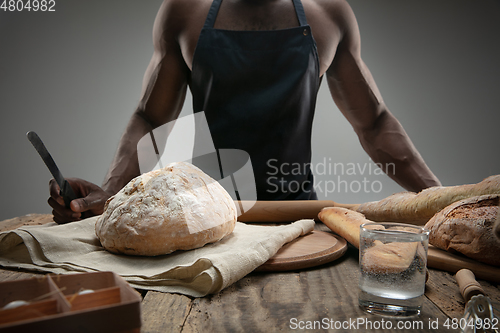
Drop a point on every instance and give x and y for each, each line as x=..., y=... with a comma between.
x=12, y=275
x=164, y=312
x=324, y=296
x=442, y=290
x=256, y=303
x=30, y=219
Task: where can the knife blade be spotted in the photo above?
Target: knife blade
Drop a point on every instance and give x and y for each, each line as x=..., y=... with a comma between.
x=65, y=189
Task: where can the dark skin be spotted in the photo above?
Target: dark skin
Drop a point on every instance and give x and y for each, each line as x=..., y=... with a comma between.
x=175, y=34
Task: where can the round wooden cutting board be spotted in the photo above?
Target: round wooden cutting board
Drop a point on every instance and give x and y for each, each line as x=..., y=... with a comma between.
x=314, y=249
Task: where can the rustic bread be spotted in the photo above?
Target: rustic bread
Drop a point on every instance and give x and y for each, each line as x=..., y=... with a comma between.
x=496, y=228
x=418, y=208
x=466, y=227
x=175, y=208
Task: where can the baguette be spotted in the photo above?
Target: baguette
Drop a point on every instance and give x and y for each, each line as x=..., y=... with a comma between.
x=395, y=257
x=378, y=259
x=418, y=208
x=343, y=222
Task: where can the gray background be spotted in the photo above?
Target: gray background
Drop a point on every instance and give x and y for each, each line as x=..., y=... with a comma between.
x=74, y=76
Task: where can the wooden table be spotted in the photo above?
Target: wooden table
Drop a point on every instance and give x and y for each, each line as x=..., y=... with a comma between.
x=325, y=296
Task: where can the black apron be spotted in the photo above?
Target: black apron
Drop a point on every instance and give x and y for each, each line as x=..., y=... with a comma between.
x=258, y=91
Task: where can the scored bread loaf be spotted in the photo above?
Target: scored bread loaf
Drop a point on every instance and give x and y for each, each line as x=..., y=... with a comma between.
x=496, y=228
x=466, y=226
x=178, y=207
x=418, y=208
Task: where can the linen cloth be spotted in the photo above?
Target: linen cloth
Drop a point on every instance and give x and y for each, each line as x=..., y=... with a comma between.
x=74, y=247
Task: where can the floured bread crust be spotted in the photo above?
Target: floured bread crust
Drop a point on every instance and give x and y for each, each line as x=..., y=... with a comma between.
x=466, y=227
x=496, y=228
x=178, y=207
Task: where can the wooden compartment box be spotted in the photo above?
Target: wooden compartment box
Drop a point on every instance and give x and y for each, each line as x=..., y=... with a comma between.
x=85, y=302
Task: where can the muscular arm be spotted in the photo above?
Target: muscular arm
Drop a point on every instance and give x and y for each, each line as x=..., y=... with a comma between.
x=163, y=94
x=164, y=89
x=358, y=98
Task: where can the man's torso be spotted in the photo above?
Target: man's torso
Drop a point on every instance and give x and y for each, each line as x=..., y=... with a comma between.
x=258, y=15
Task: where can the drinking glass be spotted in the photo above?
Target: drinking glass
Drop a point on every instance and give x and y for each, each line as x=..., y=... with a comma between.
x=392, y=262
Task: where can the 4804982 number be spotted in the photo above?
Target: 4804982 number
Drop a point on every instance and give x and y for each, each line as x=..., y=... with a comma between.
x=28, y=6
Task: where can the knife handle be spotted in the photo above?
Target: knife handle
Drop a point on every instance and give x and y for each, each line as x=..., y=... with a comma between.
x=468, y=285
x=67, y=193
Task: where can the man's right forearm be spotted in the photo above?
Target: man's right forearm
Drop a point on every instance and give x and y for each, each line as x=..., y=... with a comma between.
x=125, y=164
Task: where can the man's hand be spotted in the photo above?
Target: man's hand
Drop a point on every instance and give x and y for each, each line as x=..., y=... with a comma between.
x=90, y=202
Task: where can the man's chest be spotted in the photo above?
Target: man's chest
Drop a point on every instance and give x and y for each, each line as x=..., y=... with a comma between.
x=239, y=15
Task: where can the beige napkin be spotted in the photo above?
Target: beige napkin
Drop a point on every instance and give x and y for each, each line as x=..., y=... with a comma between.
x=74, y=247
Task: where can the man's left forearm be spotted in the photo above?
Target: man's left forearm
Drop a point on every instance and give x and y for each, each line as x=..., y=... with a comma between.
x=389, y=145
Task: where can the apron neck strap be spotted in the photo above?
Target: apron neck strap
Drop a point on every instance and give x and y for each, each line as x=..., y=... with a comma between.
x=299, y=10
x=214, y=9
x=212, y=14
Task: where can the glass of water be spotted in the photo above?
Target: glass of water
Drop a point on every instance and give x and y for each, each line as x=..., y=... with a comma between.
x=392, y=263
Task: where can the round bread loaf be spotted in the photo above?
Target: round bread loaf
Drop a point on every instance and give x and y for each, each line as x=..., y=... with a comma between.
x=466, y=226
x=178, y=207
x=496, y=228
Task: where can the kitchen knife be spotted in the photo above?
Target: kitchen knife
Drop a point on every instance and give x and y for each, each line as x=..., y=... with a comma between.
x=65, y=189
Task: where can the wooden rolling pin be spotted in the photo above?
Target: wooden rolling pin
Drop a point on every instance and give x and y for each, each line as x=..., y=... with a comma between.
x=449, y=262
x=286, y=211
x=405, y=207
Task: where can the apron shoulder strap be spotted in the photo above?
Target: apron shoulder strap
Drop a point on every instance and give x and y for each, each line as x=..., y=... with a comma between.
x=301, y=15
x=212, y=14
x=214, y=9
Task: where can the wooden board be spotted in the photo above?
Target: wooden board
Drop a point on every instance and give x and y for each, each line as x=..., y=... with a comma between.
x=314, y=249
x=446, y=261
